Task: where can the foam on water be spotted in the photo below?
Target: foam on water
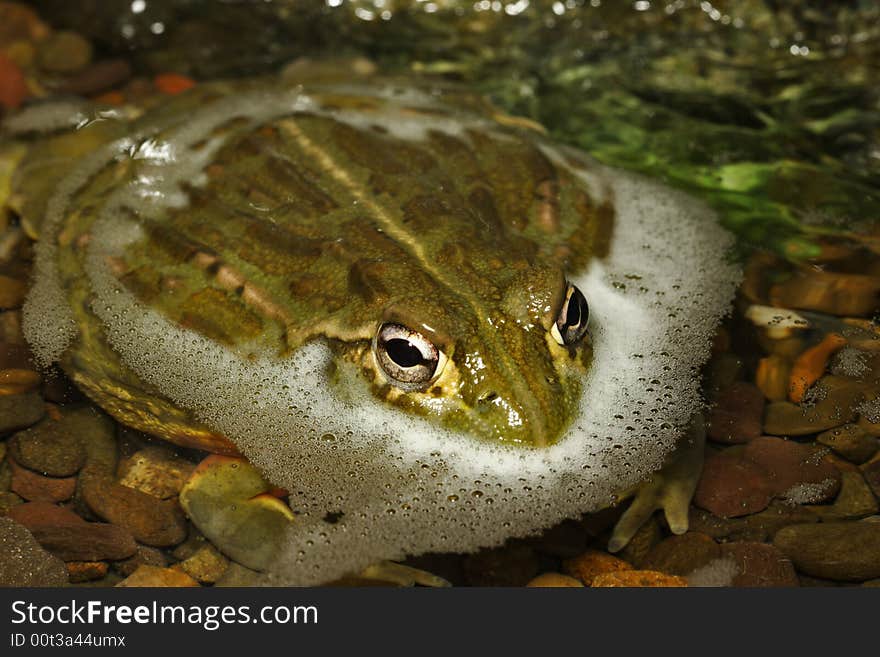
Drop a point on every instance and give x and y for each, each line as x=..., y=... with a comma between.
x=404, y=484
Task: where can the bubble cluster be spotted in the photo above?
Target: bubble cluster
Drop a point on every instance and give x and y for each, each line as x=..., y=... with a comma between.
x=397, y=484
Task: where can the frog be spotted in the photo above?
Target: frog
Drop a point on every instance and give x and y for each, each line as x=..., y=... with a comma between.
x=407, y=308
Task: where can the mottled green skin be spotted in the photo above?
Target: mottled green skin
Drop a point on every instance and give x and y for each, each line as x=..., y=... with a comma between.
x=309, y=228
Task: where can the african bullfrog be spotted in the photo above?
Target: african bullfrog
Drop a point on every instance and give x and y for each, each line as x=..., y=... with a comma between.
x=406, y=308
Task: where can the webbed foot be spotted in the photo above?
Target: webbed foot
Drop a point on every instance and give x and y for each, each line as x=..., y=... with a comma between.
x=671, y=489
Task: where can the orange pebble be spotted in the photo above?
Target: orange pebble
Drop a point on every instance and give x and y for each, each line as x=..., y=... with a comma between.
x=592, y=563
x=173, y=83
x=111, y=98
x=810, y=365
x=639, y=578
x=13, y=86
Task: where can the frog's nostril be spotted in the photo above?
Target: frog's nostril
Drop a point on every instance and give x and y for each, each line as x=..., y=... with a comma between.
x=487, y=397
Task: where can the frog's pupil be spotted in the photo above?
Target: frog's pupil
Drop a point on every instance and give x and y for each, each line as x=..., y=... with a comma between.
x=573, y=316
x=403, y=352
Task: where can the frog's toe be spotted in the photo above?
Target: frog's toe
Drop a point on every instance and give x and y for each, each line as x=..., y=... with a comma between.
x=669, y=489
x=396, y=573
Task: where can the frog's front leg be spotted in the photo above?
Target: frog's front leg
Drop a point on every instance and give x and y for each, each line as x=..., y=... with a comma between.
x=671, y=489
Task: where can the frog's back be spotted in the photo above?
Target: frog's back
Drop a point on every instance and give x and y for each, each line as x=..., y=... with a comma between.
x=261, y=217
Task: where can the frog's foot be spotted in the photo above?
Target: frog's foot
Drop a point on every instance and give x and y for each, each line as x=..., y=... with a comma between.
x=670, y=489
x=396, y=573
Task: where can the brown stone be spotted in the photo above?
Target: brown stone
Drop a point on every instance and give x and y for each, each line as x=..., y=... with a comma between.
x=838, y=404
x=848, y=295
x=554, y=580
x=871, y=473
x=207, y=565
x=91, y=541
x=64, y=52
x=732, y=486
x=855, y=500
x=15, y=356
x=772, y=377
x=758, y=527
x=144, y=556
x=737, y=414
x=638, y=578
x=98, y=77
x=15, y=381
x=20, y=411
x=37, y=488
x=155, y=471
x=796, y=471
x=847, y=551
x=851, y=441
x=511, y=565
x=44, y=514
x=86, y=571
x=150, y=576
x=681, y=555
x=151, y=521
x=9, y=501
x=12, y=292
x=588, y=565
x=759, y=564
x=48, y=448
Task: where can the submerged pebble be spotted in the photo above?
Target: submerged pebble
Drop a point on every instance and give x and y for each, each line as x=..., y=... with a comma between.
x=848, y=551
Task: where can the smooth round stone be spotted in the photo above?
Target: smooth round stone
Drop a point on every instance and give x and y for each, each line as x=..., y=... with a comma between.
x=155, y=471
x=848, y=551
x=847, y=295
x=790, y=465
x=49, y=448
x=90, y=541
x=871, y=473
x=86, y=571
x=851, y=441
x=154, y=522
x=592, y=563
x=758, y=527
x=23, y=562
x=12, y=292
x=34, y=515
x=855, y=500
x=737, y=414
x=837, y=406
x=35, y=487
x=20, y=411
x=759, y=564
x=149, y=576
x=8, y=501
x=682, y=555
x=97, y=435
x=638, y=578
x=207, y=565
x=554, y=580
x=64, y=52
x=144, y=556
x=97, y=77
x=732, y=486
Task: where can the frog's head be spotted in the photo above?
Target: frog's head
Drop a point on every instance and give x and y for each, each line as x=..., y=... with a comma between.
x=503, y=363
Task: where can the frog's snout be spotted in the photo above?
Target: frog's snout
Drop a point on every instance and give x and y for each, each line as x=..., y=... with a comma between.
x=510, y=420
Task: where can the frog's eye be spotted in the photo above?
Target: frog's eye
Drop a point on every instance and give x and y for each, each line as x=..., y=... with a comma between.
x=407, y=357
x=571, y=324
